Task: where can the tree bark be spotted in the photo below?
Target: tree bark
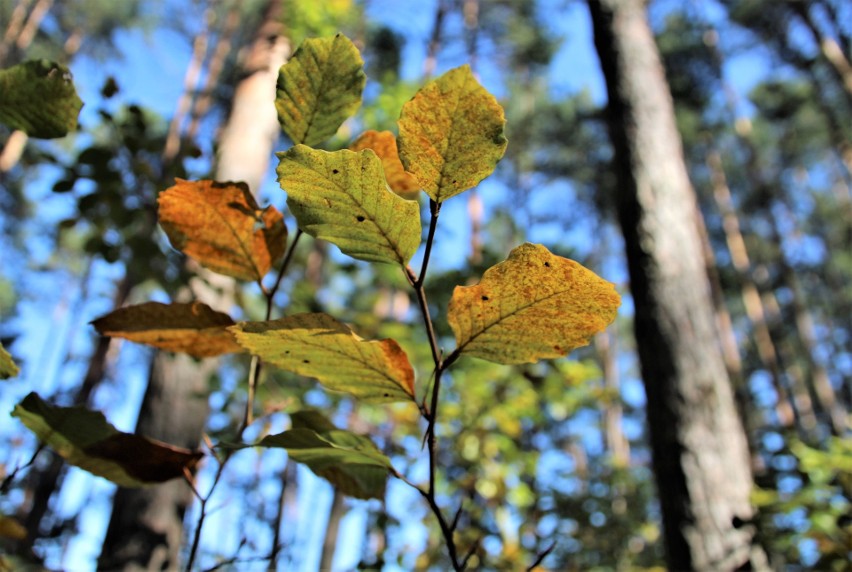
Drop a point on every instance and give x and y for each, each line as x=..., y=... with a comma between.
x=146, y=527
x=700, y=453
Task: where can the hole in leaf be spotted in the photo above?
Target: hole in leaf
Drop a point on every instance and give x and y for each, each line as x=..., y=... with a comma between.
x=484, y=298
x=547, y=264
x=360, y=218
x=335, y=171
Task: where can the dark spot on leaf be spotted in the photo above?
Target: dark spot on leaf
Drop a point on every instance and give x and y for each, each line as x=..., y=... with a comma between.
x=547, y=264
x=484, y=298
x=387, y=394
x=306, y=361
x=335, y=171
x=360, y=218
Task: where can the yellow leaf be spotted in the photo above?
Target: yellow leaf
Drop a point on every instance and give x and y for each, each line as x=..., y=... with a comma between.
x=342, y=197
x=383, y=144
x=318, y=346
x=451, y=134
x=195, y=329
x=222, y=226
x=319, y=88
x=534, y=305
x=7, y=365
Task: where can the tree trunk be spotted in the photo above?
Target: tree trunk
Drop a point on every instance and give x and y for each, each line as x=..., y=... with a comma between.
x=329, y=544
x=146, y=526
x=700, y=453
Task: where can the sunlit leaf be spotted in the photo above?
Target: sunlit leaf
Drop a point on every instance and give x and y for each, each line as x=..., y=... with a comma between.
x=7, y=366
x=195, y=329
x=38, y=97
x=383, y=144
x=350, y=462
x=319, y=88
x=318, y=346
x=84, y=438
x=342, y=197
x=534, y=305
x=222, y=226
x=451, y=134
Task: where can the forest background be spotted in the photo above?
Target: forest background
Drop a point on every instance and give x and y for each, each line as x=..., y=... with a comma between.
x=554, y=459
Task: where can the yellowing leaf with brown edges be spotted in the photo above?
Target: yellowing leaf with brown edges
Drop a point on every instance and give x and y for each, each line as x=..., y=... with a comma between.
x=451, y=134
x=222, y=227
x=84, y=438
x=342, y=197
x=318, y=346
x=532, y=306
x=195, y=329
x=383, y=144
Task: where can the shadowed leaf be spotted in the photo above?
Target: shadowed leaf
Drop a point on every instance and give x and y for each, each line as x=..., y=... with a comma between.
x=534, y=305
x=195, y=329
x=319, y=88
x=318, y=346
x=7, y=366
x=84, y=438
x=11, y=528
x=342, y=197
x=38, y=97
x=222, y=226
x=350, y=462
x=383, y=144
x=451, y=134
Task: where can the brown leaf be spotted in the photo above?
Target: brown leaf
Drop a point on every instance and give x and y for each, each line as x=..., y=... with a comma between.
x=222, y=226
x=195, y=329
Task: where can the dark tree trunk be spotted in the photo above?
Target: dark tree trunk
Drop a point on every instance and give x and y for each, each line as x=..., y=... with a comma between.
x=700, y=453
x=146, y=527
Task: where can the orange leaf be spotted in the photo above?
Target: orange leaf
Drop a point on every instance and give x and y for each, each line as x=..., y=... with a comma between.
x=195, y=329
x=383, y=144
x=534, y=305
x=222, y=226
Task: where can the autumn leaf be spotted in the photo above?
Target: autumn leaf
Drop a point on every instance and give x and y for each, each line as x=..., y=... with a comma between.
x=7, y=366
x=195, y=329
x=383, y=144
x=84, y=438
x=319, y=88
x=534, y=305
x=350, y=462
x=222, y=226
x=451, y=134
x=318, y=346
x=342, y=197
x=39, y=98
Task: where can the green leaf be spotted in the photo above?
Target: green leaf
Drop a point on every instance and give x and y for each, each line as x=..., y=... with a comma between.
x=222, y=226
x=84, y=438
x=7, y=366
x=451, y=134
x=342, y=197
x=534, y=305
x=318, y=346
x=350, y=462
x=195, y=329
x=319, y=88
x=38, y=97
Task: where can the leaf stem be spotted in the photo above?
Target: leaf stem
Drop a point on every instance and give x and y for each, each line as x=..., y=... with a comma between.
x=434, y=210
x=283, y=270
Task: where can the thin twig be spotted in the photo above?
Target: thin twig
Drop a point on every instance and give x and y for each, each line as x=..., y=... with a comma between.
x=541, y=557
x=470, y=553
x=284, y=265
